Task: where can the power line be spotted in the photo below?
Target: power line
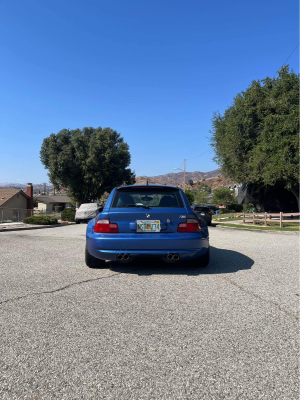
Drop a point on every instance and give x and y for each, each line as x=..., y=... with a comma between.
x=288, y=58
x=199, y=155
x=291, y=54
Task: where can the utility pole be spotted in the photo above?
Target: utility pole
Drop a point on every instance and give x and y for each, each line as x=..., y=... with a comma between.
x=184, y=175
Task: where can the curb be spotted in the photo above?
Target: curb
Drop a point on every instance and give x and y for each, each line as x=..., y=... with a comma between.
x=27, y=228
x=258, y=230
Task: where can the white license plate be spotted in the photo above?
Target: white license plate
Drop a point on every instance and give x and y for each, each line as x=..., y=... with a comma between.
x=148, y=226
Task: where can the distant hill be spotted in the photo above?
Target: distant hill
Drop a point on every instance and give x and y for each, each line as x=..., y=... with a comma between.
x=36, y=186
x=214, y=179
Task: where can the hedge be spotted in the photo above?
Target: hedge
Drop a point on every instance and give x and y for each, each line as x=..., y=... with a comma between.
x=68, y=215
x=235, y=207
x=40, y=220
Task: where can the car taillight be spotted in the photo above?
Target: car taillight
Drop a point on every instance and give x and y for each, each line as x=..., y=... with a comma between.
x=191, y=225
x=105, y=226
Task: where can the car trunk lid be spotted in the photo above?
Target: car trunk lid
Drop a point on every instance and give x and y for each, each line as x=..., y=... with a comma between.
x=127, y=219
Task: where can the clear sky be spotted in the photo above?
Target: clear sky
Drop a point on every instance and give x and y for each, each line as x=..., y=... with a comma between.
x=155, y=71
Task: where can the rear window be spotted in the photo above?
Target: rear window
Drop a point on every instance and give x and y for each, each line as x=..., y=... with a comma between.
x=152, y=197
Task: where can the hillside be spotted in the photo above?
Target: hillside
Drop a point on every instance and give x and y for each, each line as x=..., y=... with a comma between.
x=214, y=179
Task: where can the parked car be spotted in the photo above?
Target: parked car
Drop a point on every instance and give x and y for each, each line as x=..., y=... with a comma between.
x=204, y=213
x=147, y=221
x=86, y=212
x=213, y=209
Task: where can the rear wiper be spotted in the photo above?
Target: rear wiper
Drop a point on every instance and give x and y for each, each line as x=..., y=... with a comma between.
x=137, y=205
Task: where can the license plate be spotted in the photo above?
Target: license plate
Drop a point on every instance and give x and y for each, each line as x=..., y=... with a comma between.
x=147, y=226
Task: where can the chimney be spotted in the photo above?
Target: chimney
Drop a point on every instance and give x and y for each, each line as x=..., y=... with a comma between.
x=29, y=192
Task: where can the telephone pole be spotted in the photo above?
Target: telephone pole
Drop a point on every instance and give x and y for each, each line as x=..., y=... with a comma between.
x=184, y=175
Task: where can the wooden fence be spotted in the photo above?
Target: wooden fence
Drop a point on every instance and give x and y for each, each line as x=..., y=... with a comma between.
x=265, y=217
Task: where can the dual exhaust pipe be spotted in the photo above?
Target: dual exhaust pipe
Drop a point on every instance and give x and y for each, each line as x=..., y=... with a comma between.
x=123, y=257
x=173, y=257
x=170, y=257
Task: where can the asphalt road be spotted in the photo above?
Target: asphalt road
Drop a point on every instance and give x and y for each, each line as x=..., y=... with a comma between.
x=149, y=330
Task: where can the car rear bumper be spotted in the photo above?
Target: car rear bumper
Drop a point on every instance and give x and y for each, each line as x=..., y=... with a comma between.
x=107, y=246
x=184, y=255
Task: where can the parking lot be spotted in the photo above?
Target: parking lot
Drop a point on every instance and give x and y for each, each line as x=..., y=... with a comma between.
x=149, y=330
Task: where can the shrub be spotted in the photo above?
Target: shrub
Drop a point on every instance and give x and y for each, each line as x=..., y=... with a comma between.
x=57, y=209
x=40, y=220
x=235, y=207
x=68, y=215
x=221, y=211
x=248, y=208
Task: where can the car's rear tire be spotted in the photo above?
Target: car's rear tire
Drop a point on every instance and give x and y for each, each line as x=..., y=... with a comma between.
x=77, y=221
x=93, y=262
x=202, y=261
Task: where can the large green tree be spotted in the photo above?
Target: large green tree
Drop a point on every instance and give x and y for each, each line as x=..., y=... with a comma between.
x=88, y=162
x=257, y=138
x=201, y=197
x=190, y=196
x=223, y=197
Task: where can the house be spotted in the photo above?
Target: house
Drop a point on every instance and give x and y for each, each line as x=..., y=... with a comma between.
x=47, y=204
x=15, y=204
x=234, y=187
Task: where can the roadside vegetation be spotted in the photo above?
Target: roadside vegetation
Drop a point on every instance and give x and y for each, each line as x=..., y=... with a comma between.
x=256, y=140
x=40, y=220
x=229, y=216
x=286, y=227
x=68, y=214
x=88, y=161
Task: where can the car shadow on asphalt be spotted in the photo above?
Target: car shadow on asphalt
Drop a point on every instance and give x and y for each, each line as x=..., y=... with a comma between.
x=221, y=262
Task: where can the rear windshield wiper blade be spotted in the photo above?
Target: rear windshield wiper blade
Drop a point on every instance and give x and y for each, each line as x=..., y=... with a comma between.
x=137, y=205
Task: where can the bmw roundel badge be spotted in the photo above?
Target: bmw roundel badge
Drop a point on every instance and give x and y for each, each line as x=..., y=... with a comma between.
x=148, y=216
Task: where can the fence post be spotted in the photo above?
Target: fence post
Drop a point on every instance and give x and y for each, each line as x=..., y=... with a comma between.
x=253, y=219
x=265, y=219
x=281, y=223
x=243, y=217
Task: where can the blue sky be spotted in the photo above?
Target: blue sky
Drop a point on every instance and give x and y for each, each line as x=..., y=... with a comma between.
x=155, y=71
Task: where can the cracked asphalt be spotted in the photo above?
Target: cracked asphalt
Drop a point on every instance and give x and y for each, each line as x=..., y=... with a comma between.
x=149, y=330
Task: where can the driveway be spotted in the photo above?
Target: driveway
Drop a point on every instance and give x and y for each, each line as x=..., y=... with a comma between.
x=148, y=330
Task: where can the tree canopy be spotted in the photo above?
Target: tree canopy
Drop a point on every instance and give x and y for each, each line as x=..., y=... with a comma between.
x=190, y=196
x=202, y=186
x=257, y=138
x=201, y=197
x=223, y=197
x=88, y=162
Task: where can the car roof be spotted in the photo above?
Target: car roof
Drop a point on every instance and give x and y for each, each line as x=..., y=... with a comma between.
x=148, y=186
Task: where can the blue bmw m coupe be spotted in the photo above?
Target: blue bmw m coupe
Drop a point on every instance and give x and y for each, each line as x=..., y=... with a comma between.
x=147, y=221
